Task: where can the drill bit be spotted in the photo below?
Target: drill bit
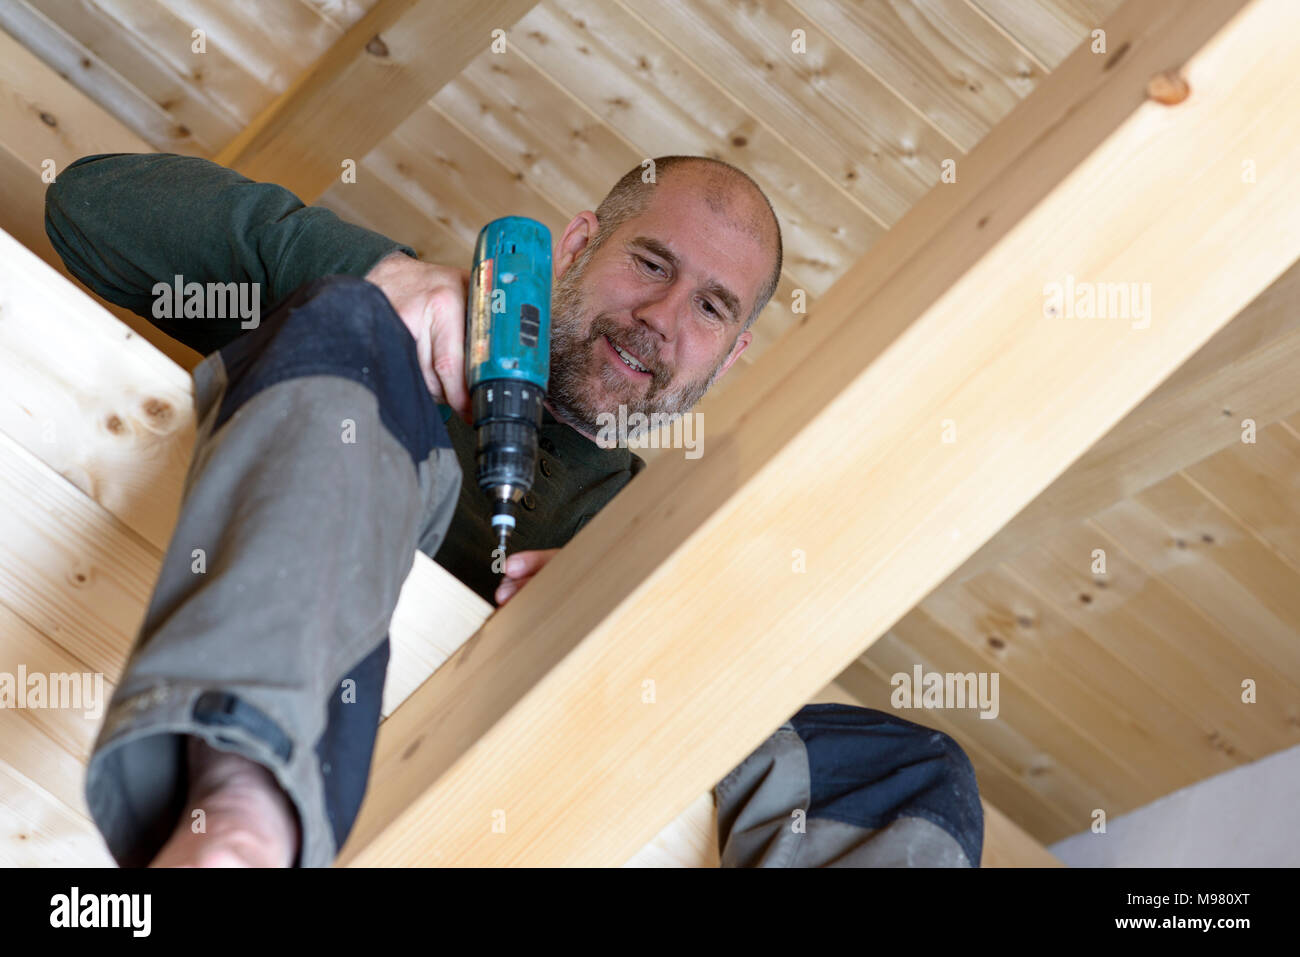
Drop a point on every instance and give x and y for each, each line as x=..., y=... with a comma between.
x=503, y=536
x=503, y=522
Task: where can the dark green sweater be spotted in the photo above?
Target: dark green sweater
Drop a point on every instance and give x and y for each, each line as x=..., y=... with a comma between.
x=123, y=222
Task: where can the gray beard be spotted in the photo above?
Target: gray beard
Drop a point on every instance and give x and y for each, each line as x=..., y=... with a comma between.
x=574, y=341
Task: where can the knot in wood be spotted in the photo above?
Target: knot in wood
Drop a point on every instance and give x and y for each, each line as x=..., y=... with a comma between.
x=1168, y=88
x=158, y=411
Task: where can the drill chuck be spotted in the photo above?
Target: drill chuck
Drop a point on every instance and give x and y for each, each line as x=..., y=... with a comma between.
x=507, y=420
x=507, y=416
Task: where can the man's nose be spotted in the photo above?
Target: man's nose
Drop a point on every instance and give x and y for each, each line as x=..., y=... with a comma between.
x=663, y=314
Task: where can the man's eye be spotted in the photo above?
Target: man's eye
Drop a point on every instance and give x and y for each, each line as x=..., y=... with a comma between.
x=709, y=306
x=645, y=262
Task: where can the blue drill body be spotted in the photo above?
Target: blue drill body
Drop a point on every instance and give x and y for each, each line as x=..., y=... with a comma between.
x=508, y=359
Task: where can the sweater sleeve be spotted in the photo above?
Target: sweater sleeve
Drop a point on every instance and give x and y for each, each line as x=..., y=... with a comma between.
x=123, y=222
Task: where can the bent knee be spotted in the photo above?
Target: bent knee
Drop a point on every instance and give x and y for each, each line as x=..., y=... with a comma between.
x=871, y=768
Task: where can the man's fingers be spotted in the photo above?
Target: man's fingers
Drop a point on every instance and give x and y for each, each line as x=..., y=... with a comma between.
x=529, y=562
x=448, y=332
x=506, y=590
x=450, y=370
x=424, y=354
x=520, y=568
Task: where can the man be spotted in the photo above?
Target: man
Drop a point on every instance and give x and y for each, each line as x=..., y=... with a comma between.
x=251, y=698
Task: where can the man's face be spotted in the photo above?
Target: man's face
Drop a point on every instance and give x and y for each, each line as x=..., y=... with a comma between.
x=671, y=287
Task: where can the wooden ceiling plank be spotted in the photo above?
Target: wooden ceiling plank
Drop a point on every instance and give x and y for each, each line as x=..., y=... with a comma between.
x=212, y=76
x=534, y=127
x=68, y=567
x=341, y=13
x=1159, y=636
x=1006, y=844
x=1066, y=768
x=1216, y=563
x=449, y=174
x=42, y=754
x=944, y=59
x=1247, y=371
x=274, y=42
x=689, y=840
x=44, y=118
x=372, y=202
x=100, y=81
x=1157, y=719
x=121, y=431
x=51, y=744
x=957, y=332
x=201, y=125
x=595, y=51
x=1049, y=29
x=1259, y=484
x=1031, y=651
x=359, y=91
x=858, y=132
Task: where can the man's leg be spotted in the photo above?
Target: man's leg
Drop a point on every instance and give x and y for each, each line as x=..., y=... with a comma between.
x=841, y=786
x=321, y=463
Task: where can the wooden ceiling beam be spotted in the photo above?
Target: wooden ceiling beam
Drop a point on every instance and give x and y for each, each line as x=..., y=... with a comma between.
x=380, y=71
x=677, y=630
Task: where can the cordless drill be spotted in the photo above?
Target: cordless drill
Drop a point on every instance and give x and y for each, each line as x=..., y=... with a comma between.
x=508, y=359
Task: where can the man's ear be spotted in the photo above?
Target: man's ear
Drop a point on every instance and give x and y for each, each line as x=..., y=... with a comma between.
x=742, y=343
x=580, y=231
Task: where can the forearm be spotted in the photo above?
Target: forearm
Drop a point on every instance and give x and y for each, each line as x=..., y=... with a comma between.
x=124, y=222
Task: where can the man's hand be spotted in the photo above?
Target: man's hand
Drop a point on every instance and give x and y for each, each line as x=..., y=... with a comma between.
x=430, y=299
x=520, y=568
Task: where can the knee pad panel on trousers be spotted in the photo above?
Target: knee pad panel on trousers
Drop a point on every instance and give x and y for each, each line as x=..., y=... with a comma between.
x=869, y=768
x=341, y=326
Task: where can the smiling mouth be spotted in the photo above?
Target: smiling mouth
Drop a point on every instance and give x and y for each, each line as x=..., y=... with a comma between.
x=626, y=359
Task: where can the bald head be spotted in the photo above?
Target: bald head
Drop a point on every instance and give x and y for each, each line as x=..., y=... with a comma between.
x=727, y=191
